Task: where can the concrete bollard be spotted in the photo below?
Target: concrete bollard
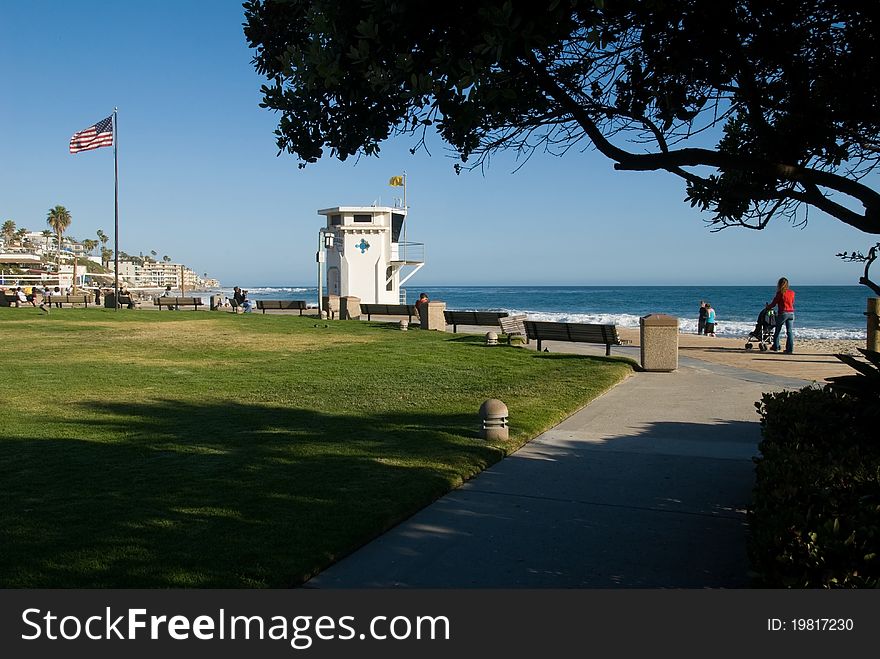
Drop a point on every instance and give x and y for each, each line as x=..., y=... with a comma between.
x=404, y=325
x=491, y=339
x=494, y=421
x=433, y=316
x=659, y=342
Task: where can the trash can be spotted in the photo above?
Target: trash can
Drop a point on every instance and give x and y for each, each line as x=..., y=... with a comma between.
x=659, y=342
x=433, y=315
x=350, y=307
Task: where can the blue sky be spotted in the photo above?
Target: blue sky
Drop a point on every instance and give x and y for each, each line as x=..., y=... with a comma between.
x=200, y=180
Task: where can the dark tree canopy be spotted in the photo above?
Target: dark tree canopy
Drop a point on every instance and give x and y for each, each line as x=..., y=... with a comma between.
x=787, y=91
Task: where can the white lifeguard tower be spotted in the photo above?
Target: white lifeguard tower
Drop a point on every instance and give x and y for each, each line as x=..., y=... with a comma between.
x=366, y=253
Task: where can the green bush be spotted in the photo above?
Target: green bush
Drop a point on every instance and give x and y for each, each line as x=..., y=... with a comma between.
x=815, y=518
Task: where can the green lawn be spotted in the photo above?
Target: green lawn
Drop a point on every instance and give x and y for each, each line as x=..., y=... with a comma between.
x=142, y=449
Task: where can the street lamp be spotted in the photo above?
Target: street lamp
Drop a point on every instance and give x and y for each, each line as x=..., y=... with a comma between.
x=325, y=242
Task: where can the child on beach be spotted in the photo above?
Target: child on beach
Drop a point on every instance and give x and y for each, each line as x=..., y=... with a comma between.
x=710, y=320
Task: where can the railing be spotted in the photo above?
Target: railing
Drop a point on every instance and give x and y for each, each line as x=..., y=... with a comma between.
x=408, y=252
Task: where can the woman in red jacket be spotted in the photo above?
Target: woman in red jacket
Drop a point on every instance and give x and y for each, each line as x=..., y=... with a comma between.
x=784, y=302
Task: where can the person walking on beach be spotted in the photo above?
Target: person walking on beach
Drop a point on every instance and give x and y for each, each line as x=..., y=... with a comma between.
x=701, y=321
x=710, y=320
x=784, y=303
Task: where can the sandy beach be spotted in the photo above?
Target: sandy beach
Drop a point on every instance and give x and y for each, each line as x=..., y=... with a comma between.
x=813, y=359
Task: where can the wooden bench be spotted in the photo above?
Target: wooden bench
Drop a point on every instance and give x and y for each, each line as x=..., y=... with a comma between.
x=69, y=299
x=298, y=305
x=513, y=326
x=177, y=302
x=475, y=318
x=575, y=332
x=408, y=310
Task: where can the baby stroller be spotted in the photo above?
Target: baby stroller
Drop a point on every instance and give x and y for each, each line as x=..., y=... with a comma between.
x=763, y=332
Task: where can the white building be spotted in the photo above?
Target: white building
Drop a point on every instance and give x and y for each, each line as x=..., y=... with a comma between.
x=369, y=257
x=159, y=274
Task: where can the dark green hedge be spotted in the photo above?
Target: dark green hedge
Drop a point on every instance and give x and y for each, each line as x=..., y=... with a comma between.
x=815, y=518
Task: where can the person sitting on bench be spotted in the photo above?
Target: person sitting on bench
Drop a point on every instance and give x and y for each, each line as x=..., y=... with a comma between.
x=241, y=300
x=423, y=299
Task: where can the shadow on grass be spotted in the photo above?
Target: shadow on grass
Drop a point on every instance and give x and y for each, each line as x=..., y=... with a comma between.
x=174, y=494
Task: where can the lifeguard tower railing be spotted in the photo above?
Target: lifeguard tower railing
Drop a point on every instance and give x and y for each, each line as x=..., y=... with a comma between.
x=408, y=253
x=404, y=255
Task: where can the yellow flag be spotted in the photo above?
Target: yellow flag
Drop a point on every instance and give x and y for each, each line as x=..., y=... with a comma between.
x=396, y=181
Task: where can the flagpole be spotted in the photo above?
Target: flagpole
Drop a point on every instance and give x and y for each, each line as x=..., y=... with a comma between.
x=115, y=214
x=406, y=215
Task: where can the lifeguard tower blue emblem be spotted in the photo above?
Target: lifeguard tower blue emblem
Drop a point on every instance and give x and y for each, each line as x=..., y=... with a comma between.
x=363, y=245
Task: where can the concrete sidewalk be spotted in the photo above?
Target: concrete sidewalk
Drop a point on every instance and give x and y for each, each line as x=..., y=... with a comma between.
x=646, y=487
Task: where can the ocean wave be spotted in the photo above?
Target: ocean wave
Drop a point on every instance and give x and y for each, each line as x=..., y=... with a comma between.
x=686, y=326
x=262, y=290
x=255, y=291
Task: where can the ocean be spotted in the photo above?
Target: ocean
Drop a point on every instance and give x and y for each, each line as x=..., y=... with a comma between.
x=821, y=312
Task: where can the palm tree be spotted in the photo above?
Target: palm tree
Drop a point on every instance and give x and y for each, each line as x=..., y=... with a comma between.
x=103, y=237
x=47, y=234
x=8, y=232
x=59, y=219
x=89, y=245
x=106, y=255
x=20, y=234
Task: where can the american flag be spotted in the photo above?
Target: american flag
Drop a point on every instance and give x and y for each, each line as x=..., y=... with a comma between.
x=93, y=137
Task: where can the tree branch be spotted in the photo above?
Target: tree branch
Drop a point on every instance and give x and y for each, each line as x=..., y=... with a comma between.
x=673, y=161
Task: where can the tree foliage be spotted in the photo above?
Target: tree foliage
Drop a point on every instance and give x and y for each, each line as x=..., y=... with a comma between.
x=8, y=231
x=788, y=91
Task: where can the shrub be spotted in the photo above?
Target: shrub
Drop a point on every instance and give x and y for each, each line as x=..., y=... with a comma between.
x=815, y=518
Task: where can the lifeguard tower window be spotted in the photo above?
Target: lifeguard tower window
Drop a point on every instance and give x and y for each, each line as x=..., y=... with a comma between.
x=396, y=226
x=363, y=218
x=335, y=220
x=390, y=285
